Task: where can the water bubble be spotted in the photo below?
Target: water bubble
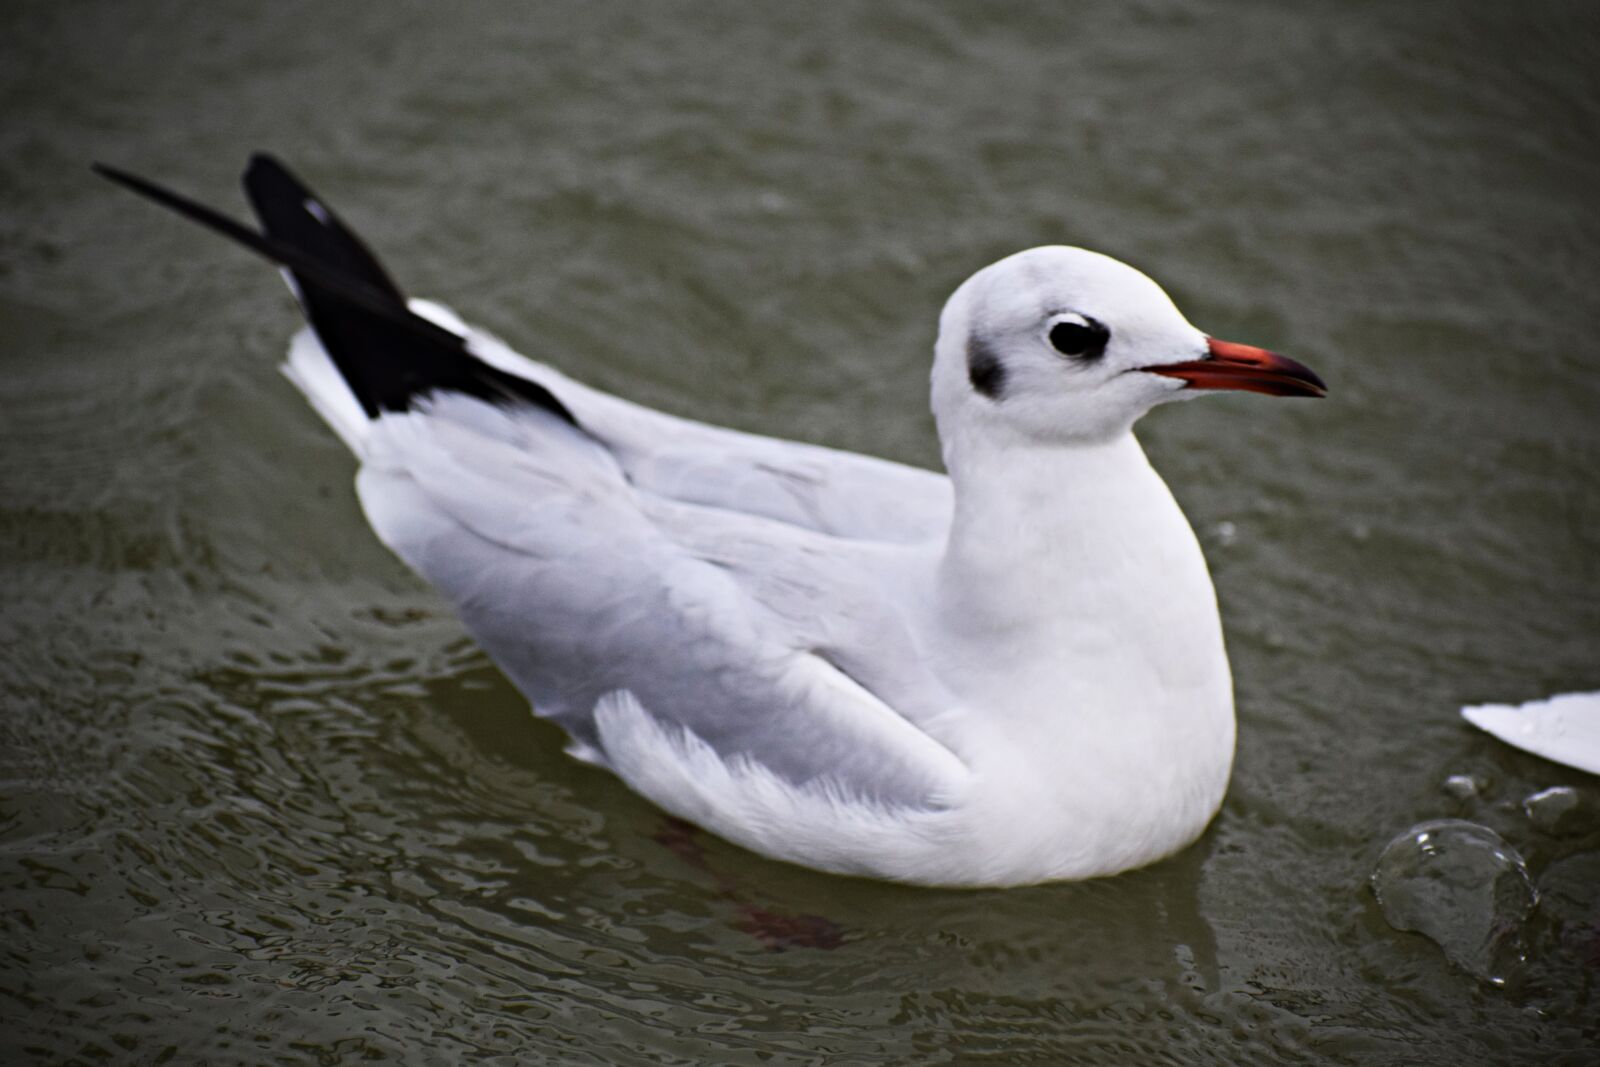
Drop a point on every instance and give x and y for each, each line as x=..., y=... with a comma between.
x=1461, y=786
x=1554, y=810
x=1461, y=886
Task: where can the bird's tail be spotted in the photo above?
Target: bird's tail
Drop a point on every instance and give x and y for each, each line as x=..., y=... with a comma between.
x=387, y=355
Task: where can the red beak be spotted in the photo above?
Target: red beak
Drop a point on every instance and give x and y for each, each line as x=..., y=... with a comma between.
x=1254, y=370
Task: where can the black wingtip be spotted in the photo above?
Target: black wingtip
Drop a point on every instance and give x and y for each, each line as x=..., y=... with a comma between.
x=264, y=166
x=388, y=355
x=264, y=245
x=292, y=213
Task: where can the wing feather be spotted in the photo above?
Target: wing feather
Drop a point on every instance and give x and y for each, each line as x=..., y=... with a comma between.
x=810, y=486
x=573, y=582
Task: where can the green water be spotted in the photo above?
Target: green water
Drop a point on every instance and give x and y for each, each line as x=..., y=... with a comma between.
x=262, y=802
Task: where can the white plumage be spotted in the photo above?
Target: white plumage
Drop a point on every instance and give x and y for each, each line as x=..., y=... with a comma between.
x=833, y=659
x=1010, y=674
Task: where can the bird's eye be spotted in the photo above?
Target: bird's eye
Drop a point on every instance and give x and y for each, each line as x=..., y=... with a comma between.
x=1079, y=337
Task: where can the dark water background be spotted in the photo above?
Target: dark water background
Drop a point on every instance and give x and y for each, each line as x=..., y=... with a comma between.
x=260, y=800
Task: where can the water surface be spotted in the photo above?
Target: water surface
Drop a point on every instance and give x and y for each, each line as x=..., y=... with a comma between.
x=263, y=802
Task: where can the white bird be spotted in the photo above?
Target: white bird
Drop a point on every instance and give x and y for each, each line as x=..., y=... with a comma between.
x=1011, y=674
x=1564, y=728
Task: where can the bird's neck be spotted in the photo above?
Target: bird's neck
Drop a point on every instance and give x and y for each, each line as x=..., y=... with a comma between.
x=1075, y=543
x=1075, y=619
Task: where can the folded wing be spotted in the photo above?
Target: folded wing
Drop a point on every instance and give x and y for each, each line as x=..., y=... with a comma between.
x=612, y=557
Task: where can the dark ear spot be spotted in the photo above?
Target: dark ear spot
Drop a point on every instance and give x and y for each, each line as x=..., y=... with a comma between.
x=984, y=369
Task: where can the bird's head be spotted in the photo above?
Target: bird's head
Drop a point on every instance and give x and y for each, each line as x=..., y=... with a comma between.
x=1061, y=345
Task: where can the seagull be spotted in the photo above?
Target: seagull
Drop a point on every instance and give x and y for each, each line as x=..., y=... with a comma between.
x=1006, y=674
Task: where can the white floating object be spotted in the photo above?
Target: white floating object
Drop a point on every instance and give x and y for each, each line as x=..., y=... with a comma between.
x=1565, y=728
